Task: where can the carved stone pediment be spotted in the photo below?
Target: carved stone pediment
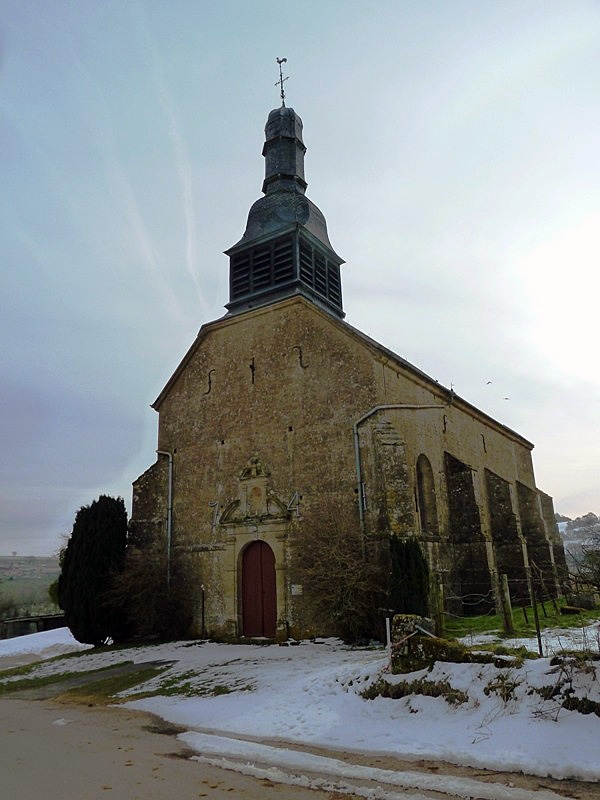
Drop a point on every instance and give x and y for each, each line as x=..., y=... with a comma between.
x=254, y=469
x=256, y=499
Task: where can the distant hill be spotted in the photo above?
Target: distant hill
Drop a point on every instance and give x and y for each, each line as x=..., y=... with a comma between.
x=578, y=533
x=29, y=566
x=24, y=582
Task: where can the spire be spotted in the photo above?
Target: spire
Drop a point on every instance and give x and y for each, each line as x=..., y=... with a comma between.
x=285, y=248
x=281, y=80
x=284, y=152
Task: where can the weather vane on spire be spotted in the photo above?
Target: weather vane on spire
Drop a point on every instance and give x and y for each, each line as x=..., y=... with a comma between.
x=281, y=80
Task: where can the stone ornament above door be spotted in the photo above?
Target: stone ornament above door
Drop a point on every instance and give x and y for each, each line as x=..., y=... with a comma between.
x=256, y=499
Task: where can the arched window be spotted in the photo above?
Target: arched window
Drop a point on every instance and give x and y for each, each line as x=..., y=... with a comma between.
x=426, y=496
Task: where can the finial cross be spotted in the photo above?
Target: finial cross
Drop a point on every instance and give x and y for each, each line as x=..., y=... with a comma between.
x=281, y=80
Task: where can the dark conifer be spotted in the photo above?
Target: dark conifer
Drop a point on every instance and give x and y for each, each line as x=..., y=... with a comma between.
x=409, y=580
x=94, y=553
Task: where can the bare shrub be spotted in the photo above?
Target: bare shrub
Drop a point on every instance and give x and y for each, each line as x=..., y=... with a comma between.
x=156, y=606
x=343, y=589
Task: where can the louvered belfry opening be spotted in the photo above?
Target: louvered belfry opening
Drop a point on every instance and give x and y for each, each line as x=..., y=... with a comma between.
x=262, y=268
x=285, y=248
x=321, y=274
x=285, y=265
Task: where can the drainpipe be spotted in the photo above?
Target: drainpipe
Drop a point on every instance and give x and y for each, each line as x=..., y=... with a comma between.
x=364, y=418
x=169, y=513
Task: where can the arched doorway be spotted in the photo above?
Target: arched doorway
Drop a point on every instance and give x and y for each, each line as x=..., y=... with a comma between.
x=259, y=600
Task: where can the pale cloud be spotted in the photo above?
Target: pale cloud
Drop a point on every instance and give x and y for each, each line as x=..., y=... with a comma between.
x=562, y=279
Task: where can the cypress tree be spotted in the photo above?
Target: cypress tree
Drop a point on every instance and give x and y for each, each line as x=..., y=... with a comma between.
x=409, y=579
x=94, y=553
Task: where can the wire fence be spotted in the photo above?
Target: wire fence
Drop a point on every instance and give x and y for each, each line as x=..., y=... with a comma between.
x=536, y=596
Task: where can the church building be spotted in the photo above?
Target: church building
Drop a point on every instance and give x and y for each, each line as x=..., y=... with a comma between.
x=281, y=408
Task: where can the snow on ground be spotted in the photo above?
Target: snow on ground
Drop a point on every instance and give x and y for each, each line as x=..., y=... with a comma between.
x=278, y=762
x=45, y=644
x=554, y=640
x=310, y=695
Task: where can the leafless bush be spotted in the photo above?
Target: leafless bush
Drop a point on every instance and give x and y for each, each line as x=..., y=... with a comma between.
x=155, y=606
x=342, y=587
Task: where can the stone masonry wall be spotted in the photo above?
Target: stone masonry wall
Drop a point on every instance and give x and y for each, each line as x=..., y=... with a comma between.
x=286, y=384
x=506, y=538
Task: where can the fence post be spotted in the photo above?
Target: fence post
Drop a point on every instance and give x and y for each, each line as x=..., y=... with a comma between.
x=506, y=604
x=535, y=614
x=439, y=605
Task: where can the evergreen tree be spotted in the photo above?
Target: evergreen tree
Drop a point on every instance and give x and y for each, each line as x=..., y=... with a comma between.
x=409, y=580
x=93, y=555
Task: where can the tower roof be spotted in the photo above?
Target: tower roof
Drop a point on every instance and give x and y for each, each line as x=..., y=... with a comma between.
x=285, y=202
x=284, y=216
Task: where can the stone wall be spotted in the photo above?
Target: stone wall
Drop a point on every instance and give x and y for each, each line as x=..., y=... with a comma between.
x=287, y=384
x=541, y=557
x=508, y=543
x=553, y=536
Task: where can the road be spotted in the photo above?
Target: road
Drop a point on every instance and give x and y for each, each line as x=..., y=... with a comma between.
x=60, y=750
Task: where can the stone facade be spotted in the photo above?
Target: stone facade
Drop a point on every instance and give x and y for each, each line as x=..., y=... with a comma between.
x=265, y=418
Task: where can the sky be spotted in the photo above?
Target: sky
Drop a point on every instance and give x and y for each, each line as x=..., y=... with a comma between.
x=452, y=146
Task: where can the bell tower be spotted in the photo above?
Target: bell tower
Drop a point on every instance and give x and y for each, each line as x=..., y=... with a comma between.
x=285, y=249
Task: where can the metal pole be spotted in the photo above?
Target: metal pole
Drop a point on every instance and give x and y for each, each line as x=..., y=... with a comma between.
x=537, y=619
x=169, y=512
x=388, y=637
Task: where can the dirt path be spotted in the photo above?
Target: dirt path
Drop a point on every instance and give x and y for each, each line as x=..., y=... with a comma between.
x=63, y=751
x=60, y=751
x=578, y=790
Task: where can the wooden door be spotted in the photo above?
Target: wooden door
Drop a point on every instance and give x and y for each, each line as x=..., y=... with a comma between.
x=259, y=601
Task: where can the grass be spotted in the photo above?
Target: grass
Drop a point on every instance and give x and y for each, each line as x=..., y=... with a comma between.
x=25, y=587
x=28, y=679
x=492, y=623
x=97, y=689
x=105, y=690
x=188, y=684
x=108, y=648
x=396, y=691
x=25, y=594
x=26, y=669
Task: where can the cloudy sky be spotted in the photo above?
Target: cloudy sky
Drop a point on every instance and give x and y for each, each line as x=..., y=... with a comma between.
x=452, y=145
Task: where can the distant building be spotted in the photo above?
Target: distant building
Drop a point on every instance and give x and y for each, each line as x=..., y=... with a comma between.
x=280, y=406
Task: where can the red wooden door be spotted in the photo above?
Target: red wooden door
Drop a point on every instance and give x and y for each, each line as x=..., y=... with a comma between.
x=259, y=602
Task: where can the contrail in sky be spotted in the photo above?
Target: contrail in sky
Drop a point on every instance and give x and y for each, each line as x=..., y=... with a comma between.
x=124, y=193
x=101, y=128
x=184, y=172
x=182, y=161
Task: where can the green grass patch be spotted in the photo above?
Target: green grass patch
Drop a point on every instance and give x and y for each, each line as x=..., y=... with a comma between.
x=397, y=691
x=518, y=653
x=184, y=685
x=105, y=690
x=29, y=680
x=27, y=668
x=27, y=589
x=492, y=623
x=221, y=689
